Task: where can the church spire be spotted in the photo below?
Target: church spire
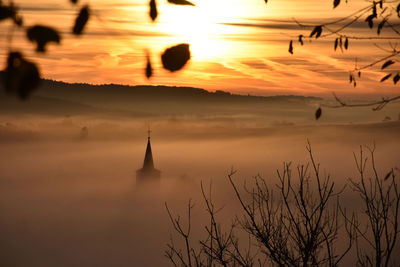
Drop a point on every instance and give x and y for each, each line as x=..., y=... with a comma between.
x=148, y=172
x=148, y=158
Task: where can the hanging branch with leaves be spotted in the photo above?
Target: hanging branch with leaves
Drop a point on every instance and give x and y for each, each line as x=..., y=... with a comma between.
x=378, y=16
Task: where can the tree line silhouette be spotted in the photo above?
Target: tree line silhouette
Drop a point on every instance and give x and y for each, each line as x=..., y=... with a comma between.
x=300, y=222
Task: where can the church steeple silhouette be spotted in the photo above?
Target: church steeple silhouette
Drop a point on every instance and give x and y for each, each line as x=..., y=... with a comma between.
x=148, y=172
x=148, y=158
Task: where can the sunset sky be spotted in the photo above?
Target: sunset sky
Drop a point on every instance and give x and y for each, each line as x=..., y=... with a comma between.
x=237, y=45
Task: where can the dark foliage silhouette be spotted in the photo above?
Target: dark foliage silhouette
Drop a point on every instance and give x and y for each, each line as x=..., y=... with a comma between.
x=81, y=20
x=149, y=69
x=181, y=2
x=21, y=75
x=10, y=12
x=174, y=58
x=377, y=16
x=318, y=113
x=41, y=35
x=291, y=47
x=153, y=10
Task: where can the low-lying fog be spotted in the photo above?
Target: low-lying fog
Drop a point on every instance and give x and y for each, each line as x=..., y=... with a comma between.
x=67, y=200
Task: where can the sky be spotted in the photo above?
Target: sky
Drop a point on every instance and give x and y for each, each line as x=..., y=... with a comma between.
x=239, y=46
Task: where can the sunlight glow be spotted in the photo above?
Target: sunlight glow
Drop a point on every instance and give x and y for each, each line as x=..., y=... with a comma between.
x=201, y=27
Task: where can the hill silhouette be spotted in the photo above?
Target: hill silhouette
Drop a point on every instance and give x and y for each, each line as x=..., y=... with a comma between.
x=61, y=98
x=148, y=92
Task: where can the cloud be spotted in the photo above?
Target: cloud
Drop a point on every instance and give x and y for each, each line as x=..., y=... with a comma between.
x=359, y=27
x=42, y=8
x=257, y=64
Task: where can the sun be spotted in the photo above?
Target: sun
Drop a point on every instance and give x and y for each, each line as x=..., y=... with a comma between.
x=202, y=26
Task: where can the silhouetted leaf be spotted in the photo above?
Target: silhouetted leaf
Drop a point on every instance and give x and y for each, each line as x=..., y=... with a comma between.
x=380, y=26
x=153, y=10
x=149, y=69
x=81, y=20
x=351, y=78
x=174, y=58
x=266, y=1
x=10, y=12
x=387, y=64
x=301, y=39
x=346, y=43
x=398, y=10
x=386, y=77
x=370, y=21
x=291, y=47
x=181, y=2
x=355, y=83
x=381, y=4
x=336, y=43
x=42, y=35
x=359, y=74
x=374, y=10
x=6, y=12
x=317, y=31
x=21, y=76
x=318, y=113
x=396, y=78
x=336, y=3
x=74, y=1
